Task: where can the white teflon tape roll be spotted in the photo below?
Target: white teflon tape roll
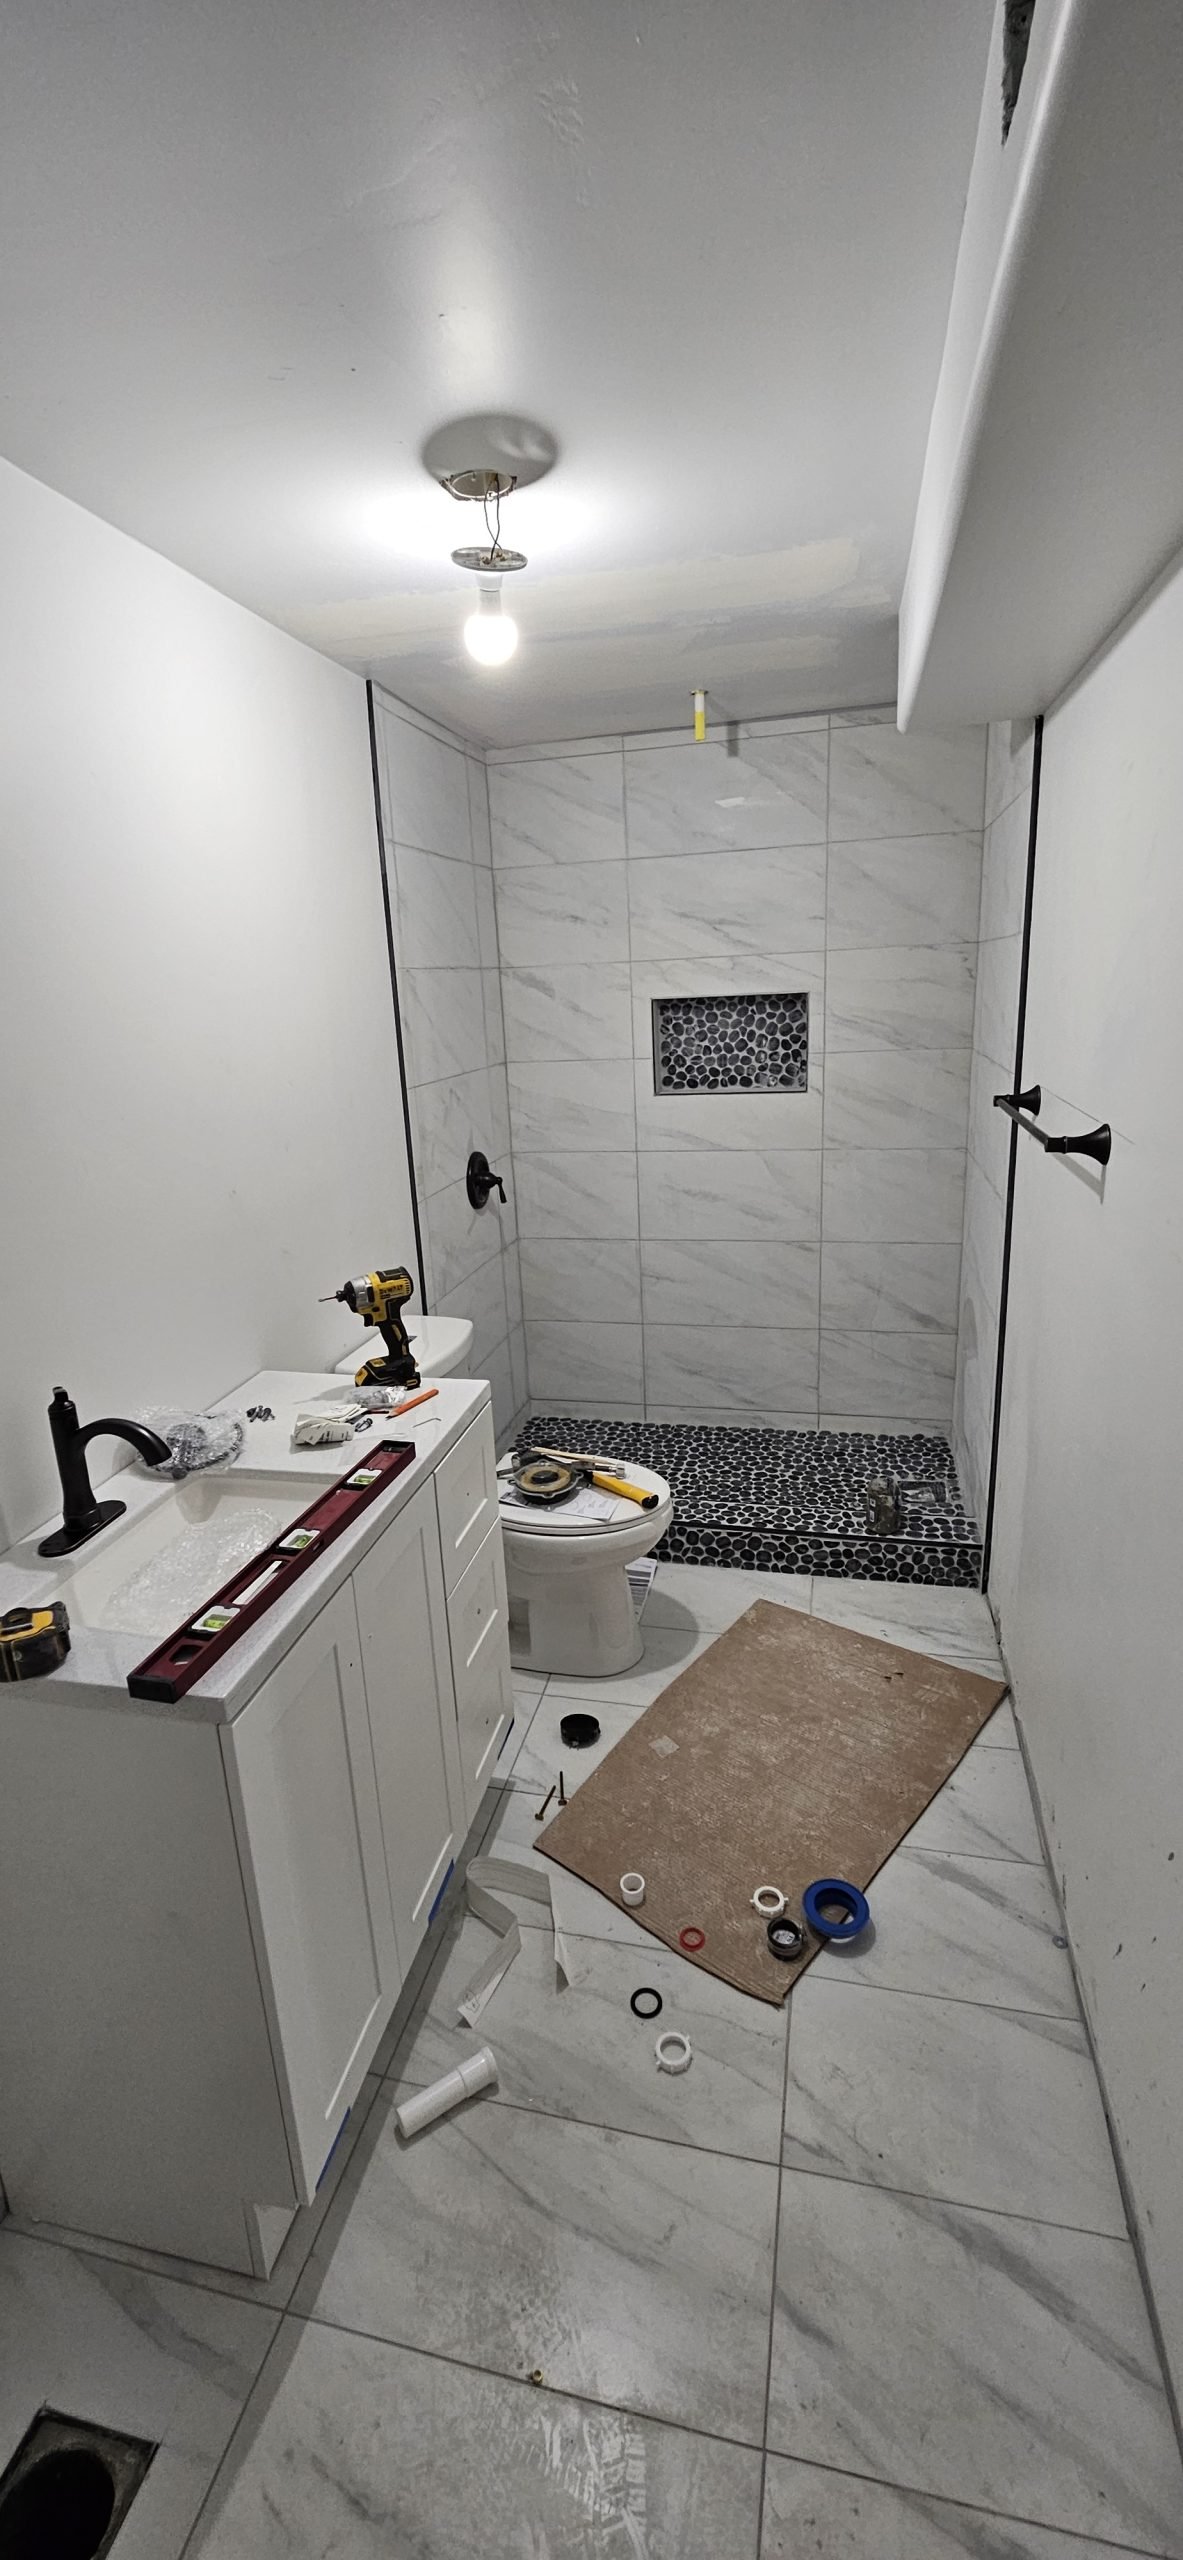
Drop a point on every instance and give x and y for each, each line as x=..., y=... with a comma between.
x=632, y=1890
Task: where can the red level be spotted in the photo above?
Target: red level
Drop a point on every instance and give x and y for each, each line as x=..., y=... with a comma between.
x=172, y=1667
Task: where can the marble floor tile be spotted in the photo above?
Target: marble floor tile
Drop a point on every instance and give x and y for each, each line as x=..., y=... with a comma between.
x=961, y=1929
x=524, y=1710
x=703, y=1595
x=975, y=2356
x=990, y=2107
x=983, y=1811
x=668, y=1650
x=368, y=2452
x=543, y=1752
x=828, y=2515
x=578, y=1908
x=101, y=2340
x=955, y=1626
x=580, y=2052
x=1000, y=1732
x=270, y=2292
x=638, y=2272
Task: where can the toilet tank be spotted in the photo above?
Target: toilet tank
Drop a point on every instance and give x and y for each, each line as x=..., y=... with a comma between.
x=441, y=1345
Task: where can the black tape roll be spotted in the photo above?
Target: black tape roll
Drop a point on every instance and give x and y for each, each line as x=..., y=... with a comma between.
x=579, y=1732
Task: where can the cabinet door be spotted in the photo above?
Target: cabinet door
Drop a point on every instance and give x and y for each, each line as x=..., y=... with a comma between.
x=402, y=1616
x=300, y=1770
x=467, y=1496
x=478, y=1619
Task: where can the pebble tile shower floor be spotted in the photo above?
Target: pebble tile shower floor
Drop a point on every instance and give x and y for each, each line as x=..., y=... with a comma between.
x=793, y=1501
x=856, y=2287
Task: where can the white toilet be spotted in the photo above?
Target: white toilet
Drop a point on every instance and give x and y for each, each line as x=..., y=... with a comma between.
x=570, y=1606
x=441, y=1345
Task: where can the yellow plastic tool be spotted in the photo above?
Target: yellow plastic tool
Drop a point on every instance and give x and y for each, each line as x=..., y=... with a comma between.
x=602, y=1476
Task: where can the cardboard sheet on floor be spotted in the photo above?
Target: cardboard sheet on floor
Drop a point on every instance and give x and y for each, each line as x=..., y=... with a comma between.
x=790, y=1749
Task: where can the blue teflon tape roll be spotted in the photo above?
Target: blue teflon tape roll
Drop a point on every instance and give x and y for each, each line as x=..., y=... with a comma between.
x=855, y=1906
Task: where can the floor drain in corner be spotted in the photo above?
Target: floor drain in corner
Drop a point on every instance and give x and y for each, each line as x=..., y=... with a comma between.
x=68, y=2488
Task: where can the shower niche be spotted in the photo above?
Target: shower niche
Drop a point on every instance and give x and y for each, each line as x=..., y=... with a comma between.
x=731, y=1044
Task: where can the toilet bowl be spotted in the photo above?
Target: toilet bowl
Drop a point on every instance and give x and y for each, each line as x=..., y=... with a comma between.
x=570, y=1606
x=441, y=1345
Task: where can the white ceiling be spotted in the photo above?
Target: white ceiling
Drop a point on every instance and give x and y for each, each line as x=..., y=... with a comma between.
x=255, y=250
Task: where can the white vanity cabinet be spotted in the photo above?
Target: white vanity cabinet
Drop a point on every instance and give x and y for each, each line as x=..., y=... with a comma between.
x=403, y=1621
x=478, y=1611
x=300, y=1770
x=208, y=1915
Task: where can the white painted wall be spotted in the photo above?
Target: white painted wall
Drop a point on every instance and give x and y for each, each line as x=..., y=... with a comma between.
x=203, y=1129
x=1087, y=1557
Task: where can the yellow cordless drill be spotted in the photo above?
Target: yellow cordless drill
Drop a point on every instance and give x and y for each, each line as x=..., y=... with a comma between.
x=377, y=1297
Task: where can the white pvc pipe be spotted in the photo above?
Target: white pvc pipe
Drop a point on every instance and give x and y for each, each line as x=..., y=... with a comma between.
x=479, y=2072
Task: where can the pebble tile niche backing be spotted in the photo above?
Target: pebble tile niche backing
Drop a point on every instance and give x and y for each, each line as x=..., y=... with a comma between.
x=791, y=1501
x=731, y=1044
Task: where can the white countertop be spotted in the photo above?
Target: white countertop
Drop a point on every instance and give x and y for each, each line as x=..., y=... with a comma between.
x=96, y=1668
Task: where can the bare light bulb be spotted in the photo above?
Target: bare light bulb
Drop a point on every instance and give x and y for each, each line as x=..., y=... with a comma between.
x=490, y=635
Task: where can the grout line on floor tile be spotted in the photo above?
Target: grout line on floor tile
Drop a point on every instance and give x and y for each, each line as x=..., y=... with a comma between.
x=966, y=2506
x=780, y=2181
x=522, y=2382
x=190, y=2543
x=956, y=1999
x=954, y=2204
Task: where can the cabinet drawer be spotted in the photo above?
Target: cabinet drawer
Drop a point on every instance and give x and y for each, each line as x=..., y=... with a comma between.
x=466, y=1496
x=479, y=1632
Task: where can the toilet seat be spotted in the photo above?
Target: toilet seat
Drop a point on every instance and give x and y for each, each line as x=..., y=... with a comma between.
x=571, y=1610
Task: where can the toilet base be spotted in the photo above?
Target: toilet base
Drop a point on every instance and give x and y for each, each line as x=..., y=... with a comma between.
x=583, y=1625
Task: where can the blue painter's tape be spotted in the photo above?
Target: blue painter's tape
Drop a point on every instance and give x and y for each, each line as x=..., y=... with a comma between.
x=855, y=1907
x=442, y=1891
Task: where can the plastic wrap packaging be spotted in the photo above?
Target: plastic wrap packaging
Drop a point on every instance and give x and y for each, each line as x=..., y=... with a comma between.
x=196, y=1439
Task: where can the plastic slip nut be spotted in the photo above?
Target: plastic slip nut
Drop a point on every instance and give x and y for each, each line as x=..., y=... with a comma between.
x=769, y=1901
x=673, y=2053
x=632, y=1890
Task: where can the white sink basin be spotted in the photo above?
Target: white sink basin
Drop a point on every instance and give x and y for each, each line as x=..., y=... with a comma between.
x=146, y=1574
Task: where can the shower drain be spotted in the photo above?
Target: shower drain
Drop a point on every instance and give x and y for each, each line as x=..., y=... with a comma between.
x=68, y=2488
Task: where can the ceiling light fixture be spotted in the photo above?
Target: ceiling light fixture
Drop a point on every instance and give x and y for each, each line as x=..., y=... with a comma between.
x=490, y=634
x=480, y=461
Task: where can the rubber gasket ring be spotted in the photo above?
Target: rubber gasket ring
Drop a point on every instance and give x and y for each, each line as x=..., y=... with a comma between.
x=645, y=1991
x=835, y=1889
x=787, y=1938
x=692, y=1939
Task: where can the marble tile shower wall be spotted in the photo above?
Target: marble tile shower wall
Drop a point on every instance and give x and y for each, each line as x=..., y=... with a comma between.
x=1004, y=872
x=435, y=818
x=776, y=1257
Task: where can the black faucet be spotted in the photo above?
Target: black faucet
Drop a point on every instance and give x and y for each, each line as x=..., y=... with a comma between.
x=82, y=1516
